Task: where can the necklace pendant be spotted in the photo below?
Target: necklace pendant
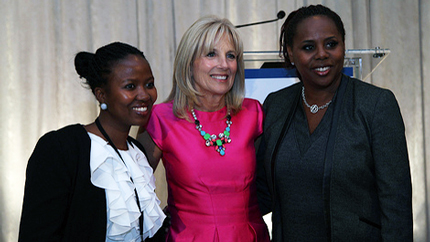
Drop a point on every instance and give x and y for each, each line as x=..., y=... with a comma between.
x=222, y=152
x=213, y=140
x=314, y=108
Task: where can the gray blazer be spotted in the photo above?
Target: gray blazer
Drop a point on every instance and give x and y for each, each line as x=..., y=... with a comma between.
x=367, y=184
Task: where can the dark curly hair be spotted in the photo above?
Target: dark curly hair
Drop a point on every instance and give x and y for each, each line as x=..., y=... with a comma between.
x=95, y=68
x=289, y=28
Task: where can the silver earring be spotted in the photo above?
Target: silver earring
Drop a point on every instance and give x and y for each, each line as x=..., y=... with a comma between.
x=292, y=63
x=103, y=106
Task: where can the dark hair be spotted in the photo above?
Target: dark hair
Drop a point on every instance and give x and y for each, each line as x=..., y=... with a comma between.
x=289, y=28
x=95, y=68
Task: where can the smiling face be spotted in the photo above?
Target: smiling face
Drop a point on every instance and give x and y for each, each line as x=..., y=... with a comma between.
x=318, y=52
x=214, y=72
x=129, y=93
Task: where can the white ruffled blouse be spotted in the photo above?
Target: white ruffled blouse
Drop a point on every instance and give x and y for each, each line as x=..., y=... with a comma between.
x=109, y=173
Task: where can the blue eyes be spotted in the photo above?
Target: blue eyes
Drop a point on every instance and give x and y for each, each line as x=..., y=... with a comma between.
x=211, y=54
x=231, y=56
x=228, y=55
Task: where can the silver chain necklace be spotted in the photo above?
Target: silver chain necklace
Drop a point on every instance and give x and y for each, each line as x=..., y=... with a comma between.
x=314, y=108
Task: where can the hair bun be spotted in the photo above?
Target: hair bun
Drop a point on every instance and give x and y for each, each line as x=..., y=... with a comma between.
x=83, y=63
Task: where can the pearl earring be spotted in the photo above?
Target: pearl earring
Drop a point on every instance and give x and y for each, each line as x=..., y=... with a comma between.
x=103, y=106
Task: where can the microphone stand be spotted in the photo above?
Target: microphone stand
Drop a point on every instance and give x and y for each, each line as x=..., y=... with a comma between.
x=280, y=15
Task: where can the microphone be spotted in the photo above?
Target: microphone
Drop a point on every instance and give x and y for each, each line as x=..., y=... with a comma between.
x=280, y=15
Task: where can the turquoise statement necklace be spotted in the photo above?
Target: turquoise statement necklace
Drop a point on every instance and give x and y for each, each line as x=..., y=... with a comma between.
x=212, y=140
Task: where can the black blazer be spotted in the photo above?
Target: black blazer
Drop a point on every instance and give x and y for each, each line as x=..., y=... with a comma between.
x=367, y=184
x=60, y=202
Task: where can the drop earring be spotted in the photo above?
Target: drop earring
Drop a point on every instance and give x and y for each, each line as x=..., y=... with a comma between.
x=103, y=106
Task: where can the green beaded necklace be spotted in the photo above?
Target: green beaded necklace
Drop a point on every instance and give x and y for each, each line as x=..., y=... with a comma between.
x=211, y=140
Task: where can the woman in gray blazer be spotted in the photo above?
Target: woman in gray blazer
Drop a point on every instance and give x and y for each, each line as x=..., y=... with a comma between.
x=333, y=162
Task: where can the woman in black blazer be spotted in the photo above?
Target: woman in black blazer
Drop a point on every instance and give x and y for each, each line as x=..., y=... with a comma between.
x=333, y=162
x=93, y=182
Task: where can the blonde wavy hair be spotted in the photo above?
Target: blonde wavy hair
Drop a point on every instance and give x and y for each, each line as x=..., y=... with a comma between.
x=198, y=40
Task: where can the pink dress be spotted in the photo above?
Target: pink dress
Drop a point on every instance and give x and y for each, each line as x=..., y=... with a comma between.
x=211, y=197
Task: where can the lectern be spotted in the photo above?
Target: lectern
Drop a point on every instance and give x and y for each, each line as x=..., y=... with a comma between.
x=264, y=73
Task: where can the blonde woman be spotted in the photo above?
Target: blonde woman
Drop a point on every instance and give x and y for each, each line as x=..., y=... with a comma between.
x=205, y=133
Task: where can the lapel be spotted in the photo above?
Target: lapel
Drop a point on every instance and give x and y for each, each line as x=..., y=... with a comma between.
x=281, y=134
x=328, y=163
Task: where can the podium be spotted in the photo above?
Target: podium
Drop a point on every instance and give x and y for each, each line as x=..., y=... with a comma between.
x=264, y=73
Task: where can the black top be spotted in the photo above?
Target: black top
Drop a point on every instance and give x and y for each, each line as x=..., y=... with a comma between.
x=299, y=174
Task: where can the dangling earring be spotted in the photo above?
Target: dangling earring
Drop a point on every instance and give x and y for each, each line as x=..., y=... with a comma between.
x=292, y=63
x=103, y=106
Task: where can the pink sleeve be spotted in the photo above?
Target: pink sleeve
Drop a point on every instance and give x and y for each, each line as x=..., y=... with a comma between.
x=154, y=127
x=260, y=118
x=255, y=111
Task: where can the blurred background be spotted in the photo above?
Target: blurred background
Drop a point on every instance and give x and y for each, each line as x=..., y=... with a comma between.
x=40, y=90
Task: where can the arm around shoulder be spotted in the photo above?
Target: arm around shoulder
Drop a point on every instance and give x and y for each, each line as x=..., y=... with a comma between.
x=153, y=151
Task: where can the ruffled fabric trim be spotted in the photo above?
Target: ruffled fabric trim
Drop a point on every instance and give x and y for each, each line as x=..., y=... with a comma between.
x=109, y=172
